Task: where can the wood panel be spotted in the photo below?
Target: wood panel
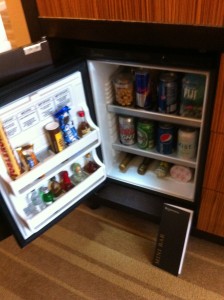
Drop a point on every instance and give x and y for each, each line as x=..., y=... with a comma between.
x=218, y=120
x=214, y=175
x=211, y=213
x=197, y=12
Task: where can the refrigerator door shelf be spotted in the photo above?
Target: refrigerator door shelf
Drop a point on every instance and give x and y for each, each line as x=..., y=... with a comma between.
x=68, y=199
x=154, y=116
x=54, y=163
x=152, y=153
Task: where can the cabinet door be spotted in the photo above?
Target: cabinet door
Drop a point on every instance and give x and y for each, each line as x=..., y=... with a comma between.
x=212, y=202
x=218, y=112
x=214, y=174
x=211, y=213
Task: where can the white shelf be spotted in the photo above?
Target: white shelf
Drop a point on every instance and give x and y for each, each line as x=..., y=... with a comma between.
x=152, y=153
x=52, y=163
x=149, y=180
x=63, y=203
x=154, y=116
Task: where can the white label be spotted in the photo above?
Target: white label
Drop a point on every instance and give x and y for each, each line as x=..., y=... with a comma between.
x=32, y=49
x=62, y=98
x=11, y=126
x=28, y=118
x=46, y=108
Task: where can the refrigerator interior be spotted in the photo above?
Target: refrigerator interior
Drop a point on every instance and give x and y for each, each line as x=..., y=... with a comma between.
x=107, y=111
x=23, y=121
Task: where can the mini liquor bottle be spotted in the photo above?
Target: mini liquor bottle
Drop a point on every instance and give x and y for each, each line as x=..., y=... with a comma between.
x=65, y=181
x=47, y=196
x=37, y=200
x=55, y=187
x=90, y=165
x=79, y=175
x=83, y=126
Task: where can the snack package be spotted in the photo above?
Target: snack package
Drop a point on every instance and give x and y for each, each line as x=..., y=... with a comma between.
x=66, y=125
x=181, y=173
x=9, y=159
x=27, y=156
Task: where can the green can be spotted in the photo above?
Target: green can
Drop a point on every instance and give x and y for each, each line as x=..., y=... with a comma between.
x=145, y=134
x=192, y=95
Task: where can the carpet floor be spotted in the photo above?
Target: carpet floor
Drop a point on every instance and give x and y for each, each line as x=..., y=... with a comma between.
x=105, y=254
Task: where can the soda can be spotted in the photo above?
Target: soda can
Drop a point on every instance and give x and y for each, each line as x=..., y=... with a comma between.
x=142, y=86
x=126, y=130
x=187, y=142
x=165, y=138
x=167, y=93
x=145, y=134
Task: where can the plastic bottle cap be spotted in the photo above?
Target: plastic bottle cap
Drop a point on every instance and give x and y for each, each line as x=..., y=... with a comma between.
x=81, y=113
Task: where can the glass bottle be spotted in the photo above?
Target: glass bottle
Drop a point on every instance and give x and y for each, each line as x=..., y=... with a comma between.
x=47, y=196
x=34, y=204
x=83, y=126
x=65, y=181
x=37, y=201
x=142, y=168
x=55, y=187
x=162, y=169
x=125, y=161
x=90, y=165
x=79, y=175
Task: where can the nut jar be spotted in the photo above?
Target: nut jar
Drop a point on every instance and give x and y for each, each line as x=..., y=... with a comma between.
x=124, y=89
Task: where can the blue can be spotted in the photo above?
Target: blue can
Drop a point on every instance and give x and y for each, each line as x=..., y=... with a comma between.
x=165, y=138
x=142, y=86
x=167, y=93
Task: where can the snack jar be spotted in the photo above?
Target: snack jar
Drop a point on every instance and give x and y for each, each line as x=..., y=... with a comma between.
x=124, y=89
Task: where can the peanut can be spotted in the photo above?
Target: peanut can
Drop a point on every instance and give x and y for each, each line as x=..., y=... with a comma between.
x=124, y=89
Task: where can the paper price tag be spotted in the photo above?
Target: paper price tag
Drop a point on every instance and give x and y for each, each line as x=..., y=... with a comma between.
x=32, y=49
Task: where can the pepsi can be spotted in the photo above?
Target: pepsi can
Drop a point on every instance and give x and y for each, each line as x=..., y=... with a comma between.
x=142, y=85
x=165, y=138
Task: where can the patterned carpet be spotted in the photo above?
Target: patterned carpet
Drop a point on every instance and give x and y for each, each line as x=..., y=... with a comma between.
x=105, y=254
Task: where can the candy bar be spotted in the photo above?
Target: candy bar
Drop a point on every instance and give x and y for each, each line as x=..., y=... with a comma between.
x=8, y=156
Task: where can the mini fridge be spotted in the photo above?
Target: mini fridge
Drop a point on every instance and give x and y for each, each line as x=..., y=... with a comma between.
x=29, y=103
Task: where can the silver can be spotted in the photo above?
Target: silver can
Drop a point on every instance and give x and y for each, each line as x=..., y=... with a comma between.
x=187, y=142
x=127, y=130
x=167, y=93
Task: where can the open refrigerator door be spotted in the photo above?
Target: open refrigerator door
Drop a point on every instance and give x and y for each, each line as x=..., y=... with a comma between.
x=24, y=123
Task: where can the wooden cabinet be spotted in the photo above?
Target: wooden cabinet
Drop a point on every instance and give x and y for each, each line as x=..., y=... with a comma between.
x=211, y=214
x=205, y=14
x=197, y=12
